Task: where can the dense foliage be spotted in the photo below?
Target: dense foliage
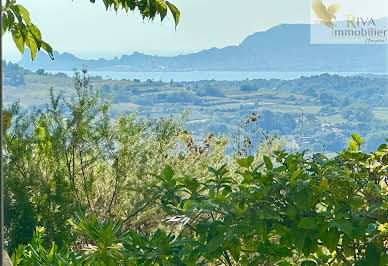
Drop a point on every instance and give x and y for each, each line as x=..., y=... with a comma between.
x=164, y=199
x=72, y=156
x=289, y=210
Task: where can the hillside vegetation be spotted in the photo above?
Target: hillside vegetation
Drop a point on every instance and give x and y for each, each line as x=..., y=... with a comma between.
x=82, y=188
x=315, y=113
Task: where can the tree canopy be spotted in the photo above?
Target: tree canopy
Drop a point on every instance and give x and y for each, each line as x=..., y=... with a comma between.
x=16, y=20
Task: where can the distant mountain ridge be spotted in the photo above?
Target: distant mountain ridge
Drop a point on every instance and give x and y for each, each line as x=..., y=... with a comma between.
x=282, y=48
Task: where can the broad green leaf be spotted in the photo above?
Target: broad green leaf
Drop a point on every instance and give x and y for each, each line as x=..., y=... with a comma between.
x=18, y=39
x=175, y=12
x=187, y=205
x=384, y=159
x=235, y=250
x=245, y=162
x=372, y=256
x=295, y=175
x=168, y=173
x=308, y=246
x=308, y=223
x=345, y=226
x=31, y=43
x=382, y=147
x=35, y=32
x=330, y=238
x=268, y=162
x=357, y=139
x=24, y=13
x=352, y=145
x=291, y=212
x=213, y=244
x=356, y=203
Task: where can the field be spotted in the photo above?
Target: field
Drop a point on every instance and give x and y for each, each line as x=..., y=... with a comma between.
x=309, y=111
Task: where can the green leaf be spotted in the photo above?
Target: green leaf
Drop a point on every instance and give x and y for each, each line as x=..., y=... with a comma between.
x=235, y=250
x=72, y=223
x=168, y=173
x=4, y=23
x=10, y=19
x=51, y=253
x=382, y=147
x=175, y=12
x=345, y=226
x=245, y=162
x=357, y=139
x=107, y=4
x=162, y=8
x=308, y=223
x=384, y=159
x=295, y=175
x=372, y=256
x=30, y=42
x=18, y=39
x=214, y=243
x=45, y=46
x=187, y=205
x=291, y=212
x=268, y=162
x=352, y=145
x=241, y=209
x=211, y=169
x=315, y=167
x=308, y=246
x=24, y=13
x=330, y=238
x=35, y=32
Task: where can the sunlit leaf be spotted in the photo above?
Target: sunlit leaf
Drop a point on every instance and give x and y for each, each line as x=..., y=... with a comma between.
x=18, y=39
x=175, y=12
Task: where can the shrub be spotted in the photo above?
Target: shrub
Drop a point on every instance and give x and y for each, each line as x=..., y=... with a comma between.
x=71, y=156
x=288, y=210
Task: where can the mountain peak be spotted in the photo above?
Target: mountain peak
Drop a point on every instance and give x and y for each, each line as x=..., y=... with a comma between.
x=285, y=47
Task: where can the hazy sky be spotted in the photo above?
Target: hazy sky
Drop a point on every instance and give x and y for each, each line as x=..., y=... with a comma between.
x=88, y=31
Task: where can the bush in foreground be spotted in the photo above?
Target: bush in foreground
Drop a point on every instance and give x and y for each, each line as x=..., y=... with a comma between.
x=290, y=210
